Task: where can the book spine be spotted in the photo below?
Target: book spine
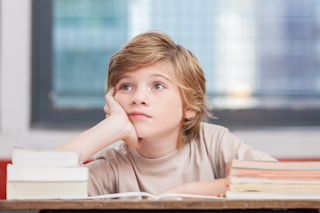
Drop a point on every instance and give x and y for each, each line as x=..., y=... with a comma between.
x=261, y=187
x=17, y=173
x=272, y=195
x=273, y=165
x=273, y=173
x=273, y=180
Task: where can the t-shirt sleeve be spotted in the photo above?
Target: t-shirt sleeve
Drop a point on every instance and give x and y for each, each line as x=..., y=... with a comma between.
x=102, y=176
x=224, y=147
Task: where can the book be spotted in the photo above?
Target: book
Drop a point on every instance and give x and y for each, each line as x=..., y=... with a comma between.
x=273, y=180
x=36, y=174
x=244, y=172
x=18, y=173
x=275, y=165
x=263, y=187
x=38, y=190
x=272, y=195
x=41, y=158
x=145, y=194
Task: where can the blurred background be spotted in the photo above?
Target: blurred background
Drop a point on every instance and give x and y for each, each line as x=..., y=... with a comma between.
x=261, y=60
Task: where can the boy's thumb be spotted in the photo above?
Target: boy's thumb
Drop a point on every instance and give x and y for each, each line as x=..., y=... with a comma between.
x=109, y=100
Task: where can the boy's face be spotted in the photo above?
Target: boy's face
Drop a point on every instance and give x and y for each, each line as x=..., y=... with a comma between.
x=150, y=90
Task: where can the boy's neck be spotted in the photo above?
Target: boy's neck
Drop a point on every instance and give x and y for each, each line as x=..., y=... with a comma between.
x=158, y=146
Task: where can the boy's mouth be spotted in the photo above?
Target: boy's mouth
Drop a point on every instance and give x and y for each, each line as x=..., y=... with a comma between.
x=138, y=115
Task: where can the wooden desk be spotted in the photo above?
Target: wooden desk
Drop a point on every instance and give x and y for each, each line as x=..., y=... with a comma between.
x=230, y=205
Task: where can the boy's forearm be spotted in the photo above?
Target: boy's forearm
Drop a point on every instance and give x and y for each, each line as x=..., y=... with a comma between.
x=94, y=139
x=208, y=188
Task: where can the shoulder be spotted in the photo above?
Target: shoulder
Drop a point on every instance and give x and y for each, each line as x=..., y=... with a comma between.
x=226, y=145
x=212, y=131
x=211, y=136
x=212, y=128
x=214, y=141
x=217, y=138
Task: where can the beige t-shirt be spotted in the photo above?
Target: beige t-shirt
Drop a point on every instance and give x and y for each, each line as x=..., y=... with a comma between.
x=203, y=159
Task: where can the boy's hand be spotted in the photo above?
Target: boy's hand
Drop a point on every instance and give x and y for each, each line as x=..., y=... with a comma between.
x=208, y=188
x=120, y=117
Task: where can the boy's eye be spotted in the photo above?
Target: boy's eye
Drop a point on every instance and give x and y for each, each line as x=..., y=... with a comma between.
x=126, y=87
x=158, y=86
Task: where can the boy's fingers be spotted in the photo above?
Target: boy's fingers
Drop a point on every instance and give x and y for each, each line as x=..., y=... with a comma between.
x=227, y=182
x=150, y=198
x=109, y=97
x=106, y=109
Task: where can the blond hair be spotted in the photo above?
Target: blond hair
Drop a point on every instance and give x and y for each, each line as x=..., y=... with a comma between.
x=156, y=46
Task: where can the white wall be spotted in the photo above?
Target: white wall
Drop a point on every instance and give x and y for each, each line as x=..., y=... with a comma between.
x=15, y=100
x=15, y=83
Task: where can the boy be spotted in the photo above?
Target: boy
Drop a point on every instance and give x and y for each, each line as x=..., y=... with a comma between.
x=155, y=104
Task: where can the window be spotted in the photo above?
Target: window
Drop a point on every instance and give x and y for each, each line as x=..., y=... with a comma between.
x=261, y=58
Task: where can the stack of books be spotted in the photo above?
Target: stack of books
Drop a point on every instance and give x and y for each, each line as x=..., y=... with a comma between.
x=46, y=175
x=273, y=180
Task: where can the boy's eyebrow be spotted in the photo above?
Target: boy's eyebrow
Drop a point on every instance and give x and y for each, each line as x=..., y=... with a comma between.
x=125, y=76
x=153, y=75
x=163, y=76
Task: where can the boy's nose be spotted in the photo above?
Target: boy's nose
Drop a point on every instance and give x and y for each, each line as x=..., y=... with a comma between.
x=139, y=99
x=139, y=102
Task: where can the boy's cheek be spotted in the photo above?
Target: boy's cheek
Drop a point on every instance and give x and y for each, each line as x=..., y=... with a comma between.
x=118, y=98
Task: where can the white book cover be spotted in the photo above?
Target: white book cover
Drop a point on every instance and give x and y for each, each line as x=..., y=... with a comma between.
x=18, y=173
x=18, y=190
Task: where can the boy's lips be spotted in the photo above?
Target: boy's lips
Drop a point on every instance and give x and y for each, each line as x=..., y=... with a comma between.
x=138, y=115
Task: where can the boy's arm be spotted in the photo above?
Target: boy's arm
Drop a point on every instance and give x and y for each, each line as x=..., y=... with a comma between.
x=94, y=139
x=207, y=188
x=115, y=127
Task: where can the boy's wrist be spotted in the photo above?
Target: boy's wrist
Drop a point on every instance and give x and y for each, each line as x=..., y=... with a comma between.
x=111, y=130
x=183, y=189
x=118, y=125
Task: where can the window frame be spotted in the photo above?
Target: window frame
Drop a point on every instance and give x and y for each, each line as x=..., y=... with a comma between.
x=45, y=115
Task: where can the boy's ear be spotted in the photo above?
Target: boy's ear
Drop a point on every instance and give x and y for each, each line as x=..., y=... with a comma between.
x=189, y=113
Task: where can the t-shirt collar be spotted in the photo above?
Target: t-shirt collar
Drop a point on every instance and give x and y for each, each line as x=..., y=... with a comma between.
x=169, y=160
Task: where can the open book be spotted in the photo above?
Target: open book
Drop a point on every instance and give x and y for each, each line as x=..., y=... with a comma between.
x=145, y=194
